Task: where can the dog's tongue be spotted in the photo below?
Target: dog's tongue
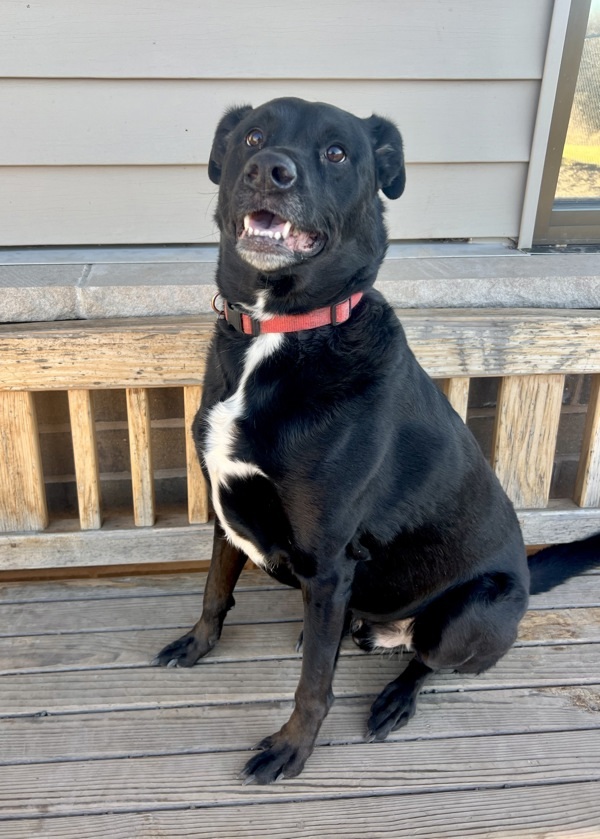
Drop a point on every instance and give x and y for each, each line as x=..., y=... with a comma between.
x=264, y=220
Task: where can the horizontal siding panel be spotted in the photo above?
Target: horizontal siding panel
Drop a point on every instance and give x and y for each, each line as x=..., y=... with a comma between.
x=388, y=39
x=90, y=122
x=143, y=204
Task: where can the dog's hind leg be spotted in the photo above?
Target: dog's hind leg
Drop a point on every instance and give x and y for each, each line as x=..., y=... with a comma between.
x=225, y=568
x=467, y=629
x=397, y=702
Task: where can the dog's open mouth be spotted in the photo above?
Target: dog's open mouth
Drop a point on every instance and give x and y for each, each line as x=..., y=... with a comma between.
x=267, y=233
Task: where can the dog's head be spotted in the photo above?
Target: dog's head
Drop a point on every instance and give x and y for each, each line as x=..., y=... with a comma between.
x=299, y=210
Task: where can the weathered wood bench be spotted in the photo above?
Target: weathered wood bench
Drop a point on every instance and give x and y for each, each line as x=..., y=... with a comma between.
x=530, y=350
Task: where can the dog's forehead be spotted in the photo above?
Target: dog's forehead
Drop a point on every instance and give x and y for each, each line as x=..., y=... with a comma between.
x=298, y=116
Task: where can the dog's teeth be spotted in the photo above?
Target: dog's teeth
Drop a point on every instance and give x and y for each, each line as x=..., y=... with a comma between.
x=247, y=223
x=249, y=231
x=277, y=235
x=286, y=229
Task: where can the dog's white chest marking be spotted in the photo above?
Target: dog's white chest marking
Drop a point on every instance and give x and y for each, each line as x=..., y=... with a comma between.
x=222, y=423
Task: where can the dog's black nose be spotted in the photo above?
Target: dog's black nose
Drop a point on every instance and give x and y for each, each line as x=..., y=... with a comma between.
x=270, y=171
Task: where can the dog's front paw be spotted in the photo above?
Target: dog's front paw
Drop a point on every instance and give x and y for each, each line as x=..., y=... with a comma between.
x=278, y=758
x=184, y=652
x=393, y=708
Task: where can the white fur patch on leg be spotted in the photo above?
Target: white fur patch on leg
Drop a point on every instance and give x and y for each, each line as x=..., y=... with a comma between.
x=389, y=636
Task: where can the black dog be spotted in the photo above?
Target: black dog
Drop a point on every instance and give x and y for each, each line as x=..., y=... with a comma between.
x=335, y=462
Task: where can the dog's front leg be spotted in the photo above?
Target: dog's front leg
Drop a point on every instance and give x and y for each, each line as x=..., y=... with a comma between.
x=225, y=568
x=285, y=753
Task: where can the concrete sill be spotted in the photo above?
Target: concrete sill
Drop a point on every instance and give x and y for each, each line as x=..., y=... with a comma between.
x=48, y=284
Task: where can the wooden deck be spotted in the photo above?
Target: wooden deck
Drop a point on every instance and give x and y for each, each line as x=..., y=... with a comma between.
x=95, y=743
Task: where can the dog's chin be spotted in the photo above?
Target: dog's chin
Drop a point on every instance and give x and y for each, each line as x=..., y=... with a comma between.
x=267, y=259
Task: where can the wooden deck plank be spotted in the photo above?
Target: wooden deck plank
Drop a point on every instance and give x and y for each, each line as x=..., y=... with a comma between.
x=145, y=585
x=532, y=723
x=167, y=584
x=240, y=642
x=229, y=727
x=239, y=682
x=565, y=811
x=182, y=610
x=365, y=770
x=149, y=612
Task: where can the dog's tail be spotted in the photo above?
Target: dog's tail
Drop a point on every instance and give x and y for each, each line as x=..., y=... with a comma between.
x=554, y=565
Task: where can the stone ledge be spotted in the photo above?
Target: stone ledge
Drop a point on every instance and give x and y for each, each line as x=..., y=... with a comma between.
x=176, y=285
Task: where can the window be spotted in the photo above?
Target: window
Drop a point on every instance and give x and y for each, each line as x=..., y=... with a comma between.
x=568, y=211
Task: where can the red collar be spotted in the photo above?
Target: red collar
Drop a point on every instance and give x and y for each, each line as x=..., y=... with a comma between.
x=337, y=313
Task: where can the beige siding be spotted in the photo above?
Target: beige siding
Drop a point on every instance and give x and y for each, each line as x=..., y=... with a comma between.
x=137, y=204
x=387, y=39
x=108, y=108
x=107, y=122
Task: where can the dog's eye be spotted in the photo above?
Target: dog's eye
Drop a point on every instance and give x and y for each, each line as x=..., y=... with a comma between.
x=255, y=138
x=335, y=154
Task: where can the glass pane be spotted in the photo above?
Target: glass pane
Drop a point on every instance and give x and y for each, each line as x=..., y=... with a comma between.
x=579, y=176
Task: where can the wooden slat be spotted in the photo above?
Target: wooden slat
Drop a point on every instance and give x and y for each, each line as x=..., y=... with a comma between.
x=439, y=40
x=223, y=727
x=563, y=811
x=98, y=588
x=83, y=432
x=144, y=204
x=456, y=391
x=172, y=122
x=275, y=680
x=179, y=611
x=587, y=489
x=140, y=446
x=155, y=352
x=240, y=642
x=22, y=495
x=98, y=786
x=525, y=436
x=196, y=485
x=168, y=613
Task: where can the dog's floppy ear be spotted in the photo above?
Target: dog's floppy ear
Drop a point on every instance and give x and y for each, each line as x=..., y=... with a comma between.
x=389, y=157
x=228, y=122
